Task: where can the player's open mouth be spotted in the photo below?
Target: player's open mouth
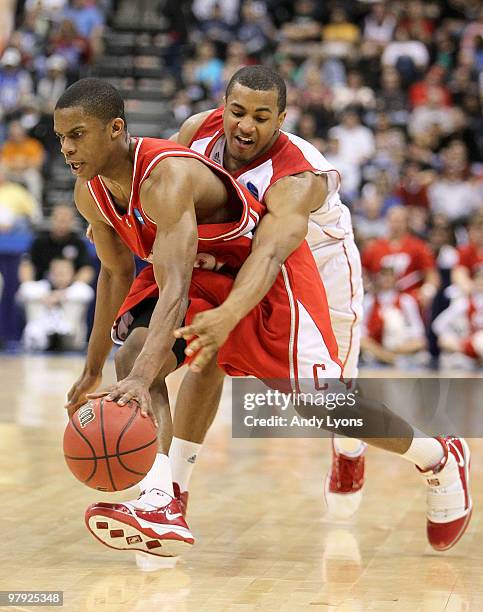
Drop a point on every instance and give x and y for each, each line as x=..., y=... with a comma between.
x=244, y=142
x=76, y=167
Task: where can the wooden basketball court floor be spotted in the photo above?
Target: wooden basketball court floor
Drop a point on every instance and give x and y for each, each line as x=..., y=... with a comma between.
x=256, y=508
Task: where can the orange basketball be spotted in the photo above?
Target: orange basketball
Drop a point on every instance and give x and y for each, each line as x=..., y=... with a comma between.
x=110, y=447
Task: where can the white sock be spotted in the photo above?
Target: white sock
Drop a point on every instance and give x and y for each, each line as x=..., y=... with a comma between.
x=159, y=477
x=424, y=452
x=351, y=447
x=182, y=455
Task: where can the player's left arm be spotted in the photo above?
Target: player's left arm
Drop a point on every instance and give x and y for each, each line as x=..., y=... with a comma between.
x=167, y=198
x=283, y=228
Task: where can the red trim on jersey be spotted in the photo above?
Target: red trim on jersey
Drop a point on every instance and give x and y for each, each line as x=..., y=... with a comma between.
x=213, y=118
x=295, y=345
x=350, y=306
x=204, y=229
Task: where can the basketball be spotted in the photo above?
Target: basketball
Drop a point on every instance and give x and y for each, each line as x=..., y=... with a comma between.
x=110, y=447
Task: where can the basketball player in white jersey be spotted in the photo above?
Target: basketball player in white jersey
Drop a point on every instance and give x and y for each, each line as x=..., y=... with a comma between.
x=298, y=185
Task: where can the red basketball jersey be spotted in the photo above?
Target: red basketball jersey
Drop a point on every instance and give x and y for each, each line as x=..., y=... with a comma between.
x=138, y=230
x=410, y=259
x=471, y=257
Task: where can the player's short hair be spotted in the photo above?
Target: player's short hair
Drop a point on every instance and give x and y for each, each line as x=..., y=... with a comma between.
x=96, y=97
x=260, y=78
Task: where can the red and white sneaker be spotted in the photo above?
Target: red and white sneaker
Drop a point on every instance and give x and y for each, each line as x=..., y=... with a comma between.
x=182, y=497
x=449, y=503
x=156, y=529
x=343, y=484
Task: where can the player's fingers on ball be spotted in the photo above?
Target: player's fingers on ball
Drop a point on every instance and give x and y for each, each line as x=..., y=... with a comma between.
x=125, y=398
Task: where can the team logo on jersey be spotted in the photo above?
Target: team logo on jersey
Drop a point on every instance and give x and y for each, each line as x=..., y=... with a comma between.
x=252, y=189
x=86, y=415
x=138, y=216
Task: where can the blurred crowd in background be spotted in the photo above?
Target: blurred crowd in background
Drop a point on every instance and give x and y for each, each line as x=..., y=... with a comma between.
x=389, y=92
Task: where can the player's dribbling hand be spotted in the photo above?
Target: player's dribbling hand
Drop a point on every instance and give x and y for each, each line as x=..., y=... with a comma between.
x=126, y=390
x=206, y=335
x=77, y=395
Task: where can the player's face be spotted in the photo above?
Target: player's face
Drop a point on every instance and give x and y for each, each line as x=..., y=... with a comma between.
x=251, y=121
x=85, y=142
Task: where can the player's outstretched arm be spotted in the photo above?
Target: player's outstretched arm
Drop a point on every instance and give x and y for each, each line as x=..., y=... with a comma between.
x=167, y=198
x=115, y=278
x=290, y=202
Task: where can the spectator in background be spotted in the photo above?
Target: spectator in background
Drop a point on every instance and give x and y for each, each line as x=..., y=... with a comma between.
x=391, y=99
x=255, y=31
x=356, y=140
x=15, y=82
x=350, y=174
x=67, y=42
x=304, y=25
x=86, y=16
x=432, y=80
x=18, y=208
x=452, y=193
x=392, y=326
x=230, y=9
x=37, y=124
x=340, y=35
x=471, y=42
x=408, y=256
x=60, y=241
x=46, y=10
x=55, y=309
x=22, y=157
x=354, y=93
x=307, y=127
x=27, y=40
x=369, y=222
x=209, y=67
x=51, y=86
x=470, y=257
x=459, y=328
x=236, y=58
x=407, y=55
x=379, y=24
x=432, y=113
x=216, y=29
x=415, y=23
x=413, y=186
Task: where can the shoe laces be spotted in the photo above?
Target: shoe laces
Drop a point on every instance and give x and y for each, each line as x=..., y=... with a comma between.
x=348, y=471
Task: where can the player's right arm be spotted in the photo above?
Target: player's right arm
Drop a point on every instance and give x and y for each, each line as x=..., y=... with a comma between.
x=115, y=279
x=189, y=128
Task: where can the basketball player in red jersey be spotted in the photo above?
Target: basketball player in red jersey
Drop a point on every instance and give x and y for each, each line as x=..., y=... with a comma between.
x=300, y=189
x=127, y=189
x=163, y=202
